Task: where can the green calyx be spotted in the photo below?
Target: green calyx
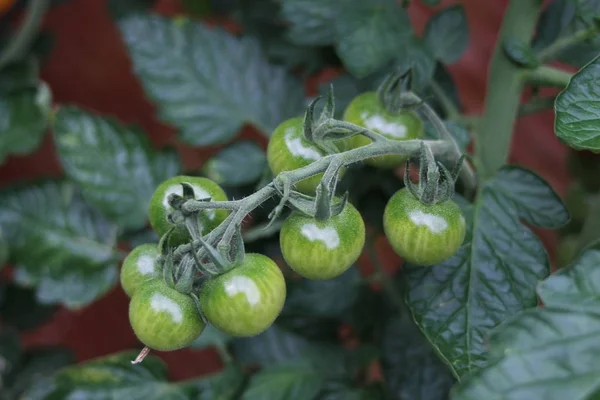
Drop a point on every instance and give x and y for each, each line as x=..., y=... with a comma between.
x=436, y=182
x=395, y=93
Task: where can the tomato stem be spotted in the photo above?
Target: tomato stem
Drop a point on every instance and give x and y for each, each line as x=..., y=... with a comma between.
x=505, y=85
x=548, y=76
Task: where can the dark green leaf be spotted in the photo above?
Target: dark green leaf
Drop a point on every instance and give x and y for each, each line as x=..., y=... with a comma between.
x=493, y=276
x=552, y=22
x=416, y=55
x=285, y=382
x=146, y=235
x=447, y=87
x=328, y=298
x=4, y=250
x=20, y=76
x=11, y=353
x=206, y=82
x=370, y=34
x=520, y=53
x=411, y=369
x=19, y=308
x=114, y=377
x=59, y=242
x=23, y=120
x=226, y=385
x=238, y=164
x=115, y=165
x=312, y=22
x=577, y=286
x=121, y=8
x=447, y=34
x=210, y=337
x=338, y=391
x=431, y=2
x=37, y=365
x=549, y=354
x=577, y=108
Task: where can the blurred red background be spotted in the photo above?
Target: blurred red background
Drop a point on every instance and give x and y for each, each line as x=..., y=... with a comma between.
x=90, y=67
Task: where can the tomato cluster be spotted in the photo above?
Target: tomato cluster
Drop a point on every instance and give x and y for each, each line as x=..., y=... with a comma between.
x=245, y=298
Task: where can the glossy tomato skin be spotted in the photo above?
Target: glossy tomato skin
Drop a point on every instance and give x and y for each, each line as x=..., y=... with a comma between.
x=289, y=150
x=322, y=249
x=160, y=209
x=139, y=268
x=423, y=234
x=163, y=318
x=246, y=300
x=365, y=110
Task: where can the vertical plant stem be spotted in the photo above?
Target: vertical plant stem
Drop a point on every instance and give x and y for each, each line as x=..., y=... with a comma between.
x=504, y=88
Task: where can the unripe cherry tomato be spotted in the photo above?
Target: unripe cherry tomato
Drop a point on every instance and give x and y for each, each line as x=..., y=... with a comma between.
x=246, y=300
x=365, y=110
x=423, y=234
x=322, y=249
x=139, y=267
x=163, y=318
x=160, y=208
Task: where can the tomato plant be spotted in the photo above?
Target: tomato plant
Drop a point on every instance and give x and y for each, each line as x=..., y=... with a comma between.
x=229, y=161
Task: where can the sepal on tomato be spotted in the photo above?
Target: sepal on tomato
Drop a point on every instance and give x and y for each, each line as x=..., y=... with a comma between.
x=395, y=93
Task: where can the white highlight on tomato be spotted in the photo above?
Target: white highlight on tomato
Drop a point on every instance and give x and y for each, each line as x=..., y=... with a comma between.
x=328, y=235
x=295, y=146
x=244, y=285
x=434, y=223
x=199, y=193
x=161, y=303
x=145, y=264
x=379, y=124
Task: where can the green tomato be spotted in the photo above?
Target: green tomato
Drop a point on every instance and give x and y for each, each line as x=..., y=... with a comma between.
x=160, y=208
x=322, y=249
x=289, y=150
x=139, y=267
x=163, y=318
x=365, y=110
x=246, y=300
x=423, y=234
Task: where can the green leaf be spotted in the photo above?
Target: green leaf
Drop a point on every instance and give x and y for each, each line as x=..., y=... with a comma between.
x=552, y=23
x=225, y=385
x=431, y=2
x=577, y=108
x=447, y=34
x=458, y=132
x=286, y=382
x=58, y=242
x=493, y=276
x=577, y=286
x=206, y=82
x=417, y=56
x=37, y=365
x=19, y=308
x=238, y=164
x=520, y=53
x=370, y=34
x=114, y=164
x=23, y=119
x=311, y=22
x=210, y=337
x=338, y=391
x=411, y=369
x=366, y=34
x=11, y=353
x=541, y=354
x=328, y=298
x=114, y=377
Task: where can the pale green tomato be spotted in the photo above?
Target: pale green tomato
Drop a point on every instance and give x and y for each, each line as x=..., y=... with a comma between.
x=365, y=110
x=322, y=249
x=160, y=208
x=288, y=150
x=139, y=267
x=423, y=234
x=246, y=300
x=163, y=318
